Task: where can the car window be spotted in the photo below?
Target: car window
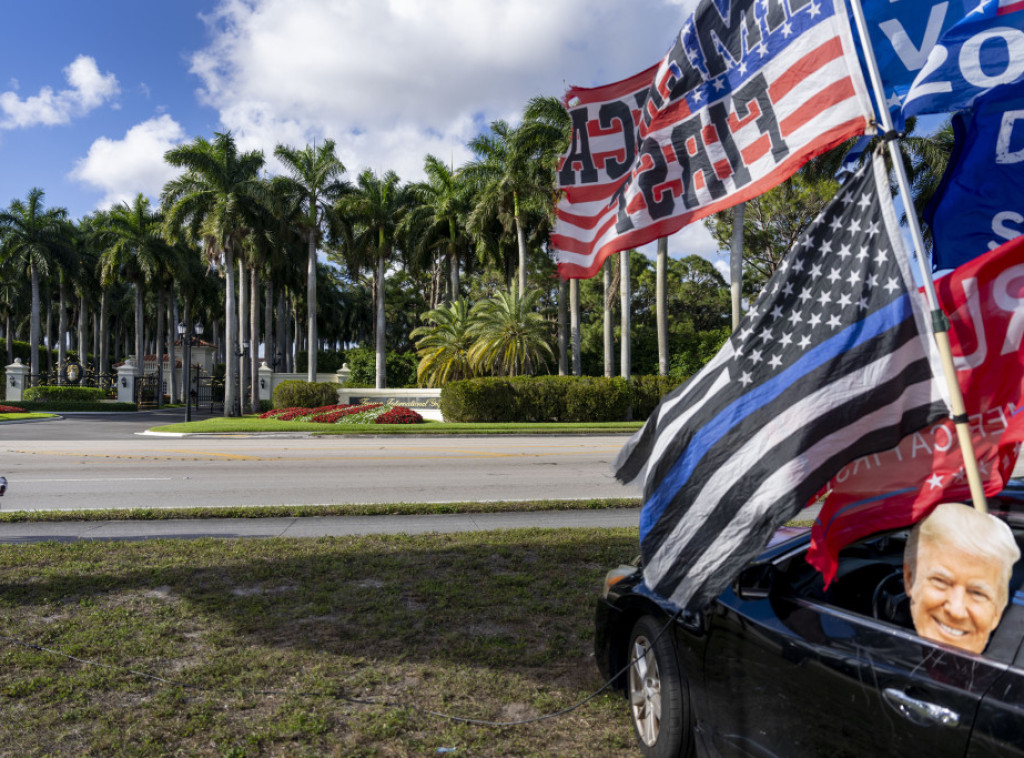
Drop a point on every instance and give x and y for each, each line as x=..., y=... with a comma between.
x=869, y=582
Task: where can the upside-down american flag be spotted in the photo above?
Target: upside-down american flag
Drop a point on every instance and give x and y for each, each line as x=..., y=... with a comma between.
x=834, y=361
x=749, y=92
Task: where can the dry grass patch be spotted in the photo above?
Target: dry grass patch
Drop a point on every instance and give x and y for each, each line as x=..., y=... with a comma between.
x=276, y=646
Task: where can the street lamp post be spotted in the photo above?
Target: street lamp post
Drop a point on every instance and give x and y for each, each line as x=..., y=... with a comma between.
x=187, y=340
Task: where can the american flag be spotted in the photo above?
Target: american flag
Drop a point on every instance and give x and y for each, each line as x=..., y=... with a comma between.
x=739, y=103
x=833, y=362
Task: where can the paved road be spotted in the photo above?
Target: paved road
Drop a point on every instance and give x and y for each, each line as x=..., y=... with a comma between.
x=63, y=465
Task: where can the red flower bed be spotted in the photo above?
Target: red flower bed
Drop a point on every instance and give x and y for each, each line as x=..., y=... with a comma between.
x=10, y=409
x=332, y=416
x=287, y=414
x=399, y=415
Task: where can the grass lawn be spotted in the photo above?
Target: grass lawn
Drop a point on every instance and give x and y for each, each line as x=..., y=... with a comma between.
x=296, y=511
x=276, y=646
x=23, y=416
x=249, y=424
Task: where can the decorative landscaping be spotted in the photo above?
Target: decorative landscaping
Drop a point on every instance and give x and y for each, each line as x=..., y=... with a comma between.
x=373, y=413
x=11, y=409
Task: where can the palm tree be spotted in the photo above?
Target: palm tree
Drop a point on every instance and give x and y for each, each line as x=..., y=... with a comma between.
x=373, y=213
x=312, y=188
x=506, y=180
x=511, y=336
x=134, y=249
x=35, y=237
x=444, y=345
x=443, y=204
x=217, y=200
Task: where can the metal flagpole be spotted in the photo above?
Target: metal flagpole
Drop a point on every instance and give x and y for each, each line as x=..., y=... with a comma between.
x=940, y=324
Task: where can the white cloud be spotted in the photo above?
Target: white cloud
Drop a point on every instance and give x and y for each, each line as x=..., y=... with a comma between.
x=89, y=90
x=393, y=80
x=123, y=168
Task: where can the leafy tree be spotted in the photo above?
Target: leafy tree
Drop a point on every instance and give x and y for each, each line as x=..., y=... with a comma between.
x=218, y=201
x=35, y=238
x=512, y=338
x=134, y=249
x=373, y=213
x=312, y=189
x=438, y=217
x=507, y=181
x=444, y=344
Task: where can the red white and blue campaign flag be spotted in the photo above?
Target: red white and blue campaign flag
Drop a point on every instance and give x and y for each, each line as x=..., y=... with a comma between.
x=750, y=91
x=833, y=362
x=979, y=204
x=984, y=299
x=983, y=50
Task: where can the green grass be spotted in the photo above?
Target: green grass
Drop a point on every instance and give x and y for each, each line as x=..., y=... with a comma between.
x=274, y=646
x=296, y=511
x=24, y=416
x=252, y=424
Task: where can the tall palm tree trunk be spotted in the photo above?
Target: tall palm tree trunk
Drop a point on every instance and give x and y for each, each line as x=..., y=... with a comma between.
x=172, y=353
x=49, y=334
x=381, y=373
x=661, y=284
x=269, y=338
x=625, y=290
x=563, y=326
x=609, y=332
x=230, y=336
x=62, y=325
x=254, y=330
x=83, y=328
x=243, y=337
x=104, y=349
x=140, y=352
x=521, y=239
x=311, y=307
x=574, y=325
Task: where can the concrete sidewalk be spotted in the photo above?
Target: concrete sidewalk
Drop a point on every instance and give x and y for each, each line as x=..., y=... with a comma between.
x=311, y=526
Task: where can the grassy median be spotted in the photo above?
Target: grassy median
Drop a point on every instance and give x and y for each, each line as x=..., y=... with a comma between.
x=254, y=424
x=333, y=646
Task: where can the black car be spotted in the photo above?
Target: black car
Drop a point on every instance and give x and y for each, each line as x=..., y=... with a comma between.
x=780, y=666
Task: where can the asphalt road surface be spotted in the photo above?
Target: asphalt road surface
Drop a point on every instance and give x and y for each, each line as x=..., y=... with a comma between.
x=89, y=462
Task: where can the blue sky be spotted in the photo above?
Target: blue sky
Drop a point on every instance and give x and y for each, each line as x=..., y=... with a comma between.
x=93, y=93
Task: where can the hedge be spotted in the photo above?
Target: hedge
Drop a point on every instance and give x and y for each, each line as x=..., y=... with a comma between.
x=56, y=393
x=295, y=393
x=565, y=399
x=106, y=406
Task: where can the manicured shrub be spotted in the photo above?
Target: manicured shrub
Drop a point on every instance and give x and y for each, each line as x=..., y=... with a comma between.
x=647, y=391
x=567, y=399
x=326, y=362
x=295, y=393
x=56, y=393
x=400, y=368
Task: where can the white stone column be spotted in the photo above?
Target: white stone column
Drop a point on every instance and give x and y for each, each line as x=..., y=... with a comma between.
x=17, y=380
x=266, y=382
x=126, y=382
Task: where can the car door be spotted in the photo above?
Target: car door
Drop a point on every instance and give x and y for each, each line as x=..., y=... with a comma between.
x=796, y=677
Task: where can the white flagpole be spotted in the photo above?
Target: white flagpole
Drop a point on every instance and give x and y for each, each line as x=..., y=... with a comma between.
x=940, y=324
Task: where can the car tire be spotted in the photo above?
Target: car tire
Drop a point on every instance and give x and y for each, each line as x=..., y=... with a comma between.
x=656, y=689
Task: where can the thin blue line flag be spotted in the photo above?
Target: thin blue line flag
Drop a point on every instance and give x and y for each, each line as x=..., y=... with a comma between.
x=833, y=362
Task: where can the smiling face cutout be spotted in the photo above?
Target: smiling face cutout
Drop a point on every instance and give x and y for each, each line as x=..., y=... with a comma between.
x=955, y=596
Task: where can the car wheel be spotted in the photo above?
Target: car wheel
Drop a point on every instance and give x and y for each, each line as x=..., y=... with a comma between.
x=657, y=694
